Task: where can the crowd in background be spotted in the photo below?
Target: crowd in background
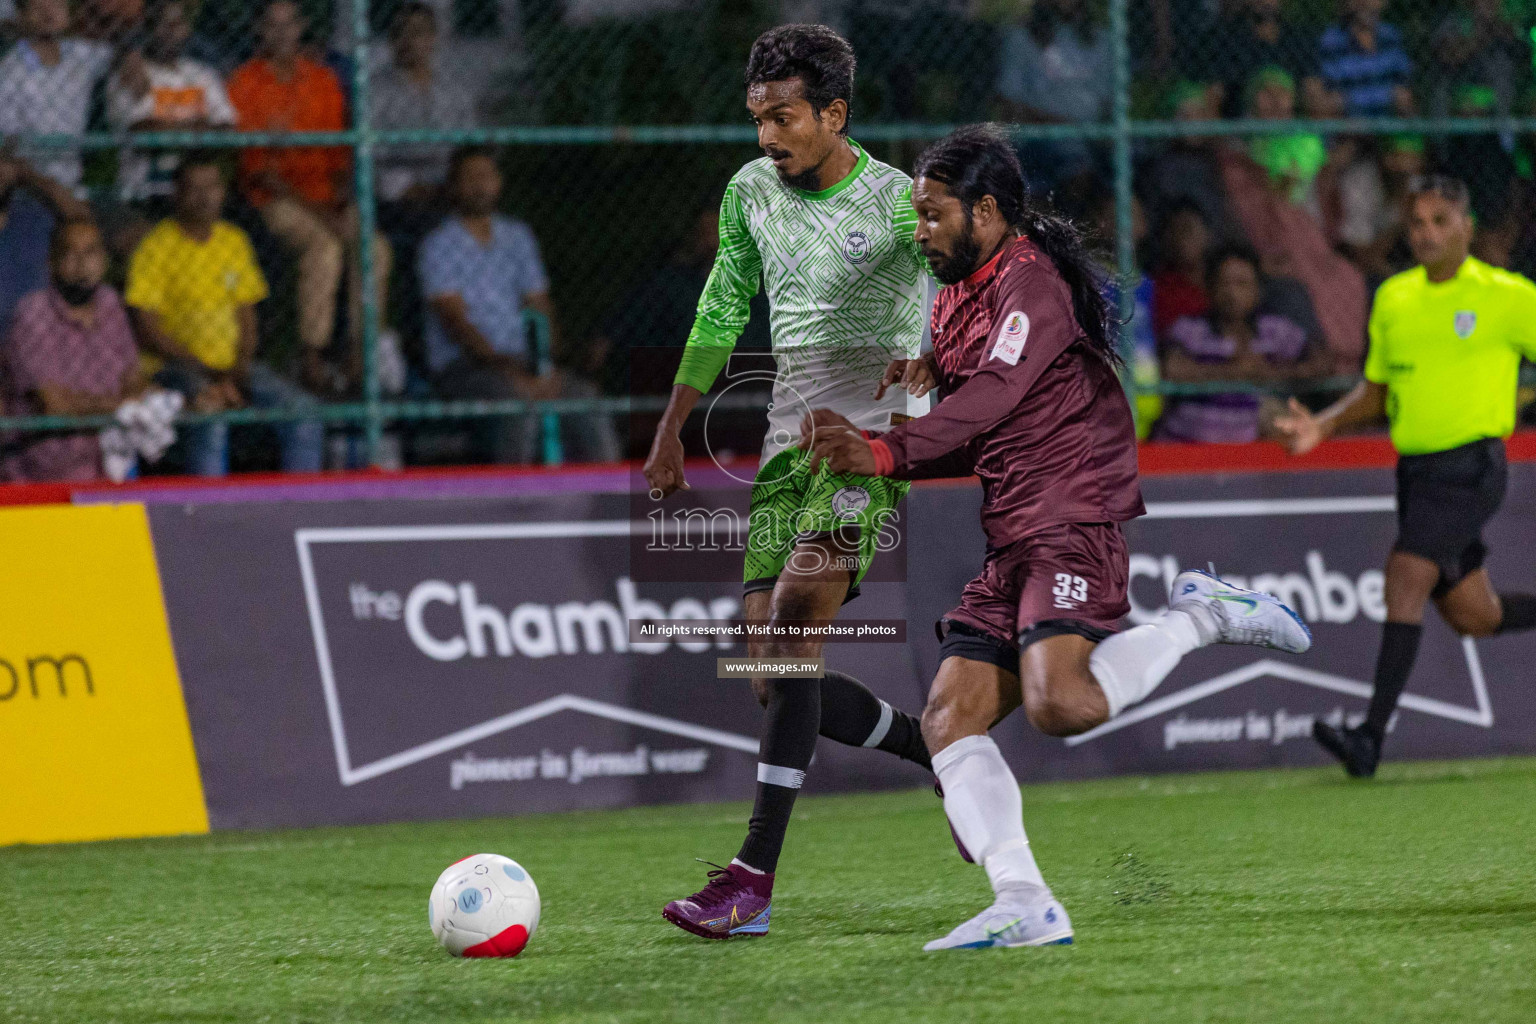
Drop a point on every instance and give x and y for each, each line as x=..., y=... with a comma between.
x=233, y=278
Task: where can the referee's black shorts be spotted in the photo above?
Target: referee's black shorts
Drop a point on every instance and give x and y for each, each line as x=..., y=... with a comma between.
x=1443, y=501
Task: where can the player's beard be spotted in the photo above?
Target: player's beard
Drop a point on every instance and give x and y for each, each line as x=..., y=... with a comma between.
x=808, y=180
x=954, y=267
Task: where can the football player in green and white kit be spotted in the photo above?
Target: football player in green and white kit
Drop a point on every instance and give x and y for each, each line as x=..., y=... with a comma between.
x=828, y=230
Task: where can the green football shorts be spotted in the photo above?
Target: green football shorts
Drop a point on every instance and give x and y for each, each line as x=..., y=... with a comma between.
x=789, y=501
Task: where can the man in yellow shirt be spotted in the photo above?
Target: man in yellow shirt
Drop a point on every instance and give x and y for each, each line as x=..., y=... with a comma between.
x=1446, y=342
x=193, y=285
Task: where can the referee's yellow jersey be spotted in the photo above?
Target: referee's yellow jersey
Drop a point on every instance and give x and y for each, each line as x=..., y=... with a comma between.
x=1449, y=354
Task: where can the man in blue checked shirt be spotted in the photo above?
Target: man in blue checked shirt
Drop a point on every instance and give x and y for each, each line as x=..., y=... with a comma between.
x=479, y=271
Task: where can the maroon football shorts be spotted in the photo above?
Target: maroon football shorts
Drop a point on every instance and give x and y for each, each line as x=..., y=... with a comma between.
x=1067, y=578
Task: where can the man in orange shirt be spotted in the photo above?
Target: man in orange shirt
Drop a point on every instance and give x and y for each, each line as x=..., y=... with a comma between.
x=302, y=192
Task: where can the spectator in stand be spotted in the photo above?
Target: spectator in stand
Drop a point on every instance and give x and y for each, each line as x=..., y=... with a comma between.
x=193, y=285
x=1294, y=159
x=1290, y=238
x=1174, y=25
x=30, y=203
x=1251, y=35
x=1372, y=192
x=1055, y=67
x=299, y=191
x=1363, y=60
x=415, y=90
x=905, y=76
x=219, y=37
x=1477, y=45
x=110, y=21
x=1486, y=162
x=70, y=352
x=1178, y=287
x=46, y=81
x=159, y=89
x=1185, y=172
x=479, y=270
x=1234, y=341
x=1522, y=257
x=1182, y=255
x=412, y=92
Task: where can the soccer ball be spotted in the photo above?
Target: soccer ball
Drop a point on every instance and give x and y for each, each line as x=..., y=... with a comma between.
x=484, y=905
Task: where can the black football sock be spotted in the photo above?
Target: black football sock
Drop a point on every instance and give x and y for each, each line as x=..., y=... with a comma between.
x=1519, y=614
x=1399, y=647
x=851, y=714
x=789, y=740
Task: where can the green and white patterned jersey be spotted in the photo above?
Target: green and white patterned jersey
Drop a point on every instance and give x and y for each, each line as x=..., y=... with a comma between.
x=845, y=283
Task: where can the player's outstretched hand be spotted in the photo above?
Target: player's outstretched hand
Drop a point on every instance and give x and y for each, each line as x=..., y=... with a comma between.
x=915, y=375
x=832, y=439
x=664, y=465
x=1298, y=429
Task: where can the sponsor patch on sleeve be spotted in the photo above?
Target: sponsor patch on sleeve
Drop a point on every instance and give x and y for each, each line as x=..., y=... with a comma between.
x=1011, y=337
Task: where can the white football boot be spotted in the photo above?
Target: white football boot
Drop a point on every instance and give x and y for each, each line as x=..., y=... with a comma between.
x=1239, y=616
x=1010, y=924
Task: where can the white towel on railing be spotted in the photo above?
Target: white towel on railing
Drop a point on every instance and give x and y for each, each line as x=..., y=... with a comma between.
x=143, y=430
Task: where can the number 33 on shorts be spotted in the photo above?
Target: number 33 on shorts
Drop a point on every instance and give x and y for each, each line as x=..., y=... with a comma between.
x=1069, y=591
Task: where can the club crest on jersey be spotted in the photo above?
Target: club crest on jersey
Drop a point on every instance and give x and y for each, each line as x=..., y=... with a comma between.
x=1466, y=323
x=1010, y=339
x=849, y=501
x=856, y=247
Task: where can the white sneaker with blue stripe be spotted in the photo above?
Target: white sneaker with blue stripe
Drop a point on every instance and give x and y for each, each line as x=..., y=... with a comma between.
x=1239, y=616
x=1010, y=924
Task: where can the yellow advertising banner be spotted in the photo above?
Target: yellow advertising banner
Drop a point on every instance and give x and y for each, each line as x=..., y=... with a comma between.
x=94, y=739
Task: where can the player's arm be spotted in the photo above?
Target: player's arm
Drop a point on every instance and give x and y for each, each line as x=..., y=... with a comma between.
x=951, y=465
x=723, y=310
x=832, y=437
x=1019, y=351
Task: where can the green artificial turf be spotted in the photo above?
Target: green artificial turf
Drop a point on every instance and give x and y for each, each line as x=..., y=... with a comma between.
x=1266, y=896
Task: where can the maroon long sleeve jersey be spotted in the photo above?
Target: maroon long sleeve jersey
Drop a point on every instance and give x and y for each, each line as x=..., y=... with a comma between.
x=1030, y=408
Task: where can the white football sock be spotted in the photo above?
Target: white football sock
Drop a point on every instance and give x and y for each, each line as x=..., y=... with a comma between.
x=1129, y=665
x=982, y=799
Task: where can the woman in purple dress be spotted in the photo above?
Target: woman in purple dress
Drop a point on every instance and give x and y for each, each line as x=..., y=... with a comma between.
x=1234, y=341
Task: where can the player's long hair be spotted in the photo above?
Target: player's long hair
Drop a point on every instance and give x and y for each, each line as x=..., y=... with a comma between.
x=978, y=161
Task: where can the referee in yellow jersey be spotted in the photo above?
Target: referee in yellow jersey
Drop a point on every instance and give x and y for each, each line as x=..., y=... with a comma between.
x=1444, y=361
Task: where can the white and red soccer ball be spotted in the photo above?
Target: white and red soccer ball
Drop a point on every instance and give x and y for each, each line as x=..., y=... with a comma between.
x=484, y=905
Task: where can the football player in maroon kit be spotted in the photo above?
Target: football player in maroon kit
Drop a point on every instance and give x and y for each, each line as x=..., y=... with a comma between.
x=1023, y=350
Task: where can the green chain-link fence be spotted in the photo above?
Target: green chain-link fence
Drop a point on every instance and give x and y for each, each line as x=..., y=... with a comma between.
x=1169, y=127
